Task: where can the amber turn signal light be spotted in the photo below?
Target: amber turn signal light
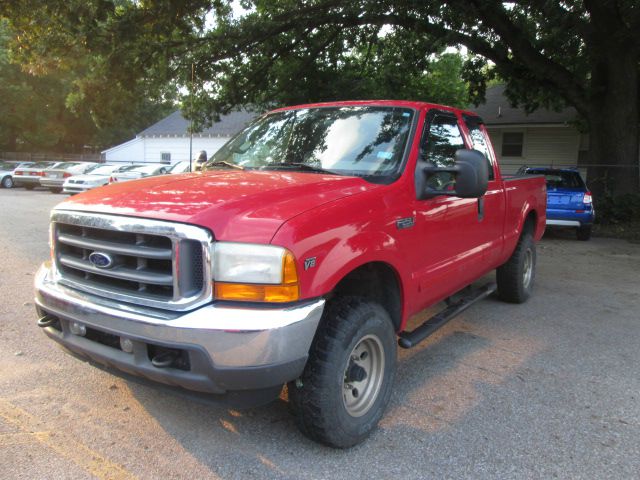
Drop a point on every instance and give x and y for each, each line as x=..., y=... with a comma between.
x=287, y=291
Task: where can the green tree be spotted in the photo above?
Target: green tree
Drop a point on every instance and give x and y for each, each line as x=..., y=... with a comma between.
x=63, y=103
x=583, y=53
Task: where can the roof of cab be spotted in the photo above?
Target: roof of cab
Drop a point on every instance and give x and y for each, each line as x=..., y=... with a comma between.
x=378, y=103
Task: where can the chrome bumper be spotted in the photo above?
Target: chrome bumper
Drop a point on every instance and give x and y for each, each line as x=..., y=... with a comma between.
x=563, y=223
x=231, y=348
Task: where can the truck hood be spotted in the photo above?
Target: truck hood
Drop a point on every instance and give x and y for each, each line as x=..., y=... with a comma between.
x=242, y=206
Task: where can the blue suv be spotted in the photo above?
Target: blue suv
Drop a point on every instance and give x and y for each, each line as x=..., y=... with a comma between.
x=569, y=201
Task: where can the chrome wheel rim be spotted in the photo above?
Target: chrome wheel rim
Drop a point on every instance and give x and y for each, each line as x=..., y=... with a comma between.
x=527, y=271
x=363, y=376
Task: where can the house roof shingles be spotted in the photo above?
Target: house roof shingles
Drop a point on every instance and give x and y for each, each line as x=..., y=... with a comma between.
x=176, y=125
x=498, y=111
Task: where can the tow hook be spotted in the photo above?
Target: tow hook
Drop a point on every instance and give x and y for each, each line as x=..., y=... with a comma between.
x=46, y=320
x=164, y=359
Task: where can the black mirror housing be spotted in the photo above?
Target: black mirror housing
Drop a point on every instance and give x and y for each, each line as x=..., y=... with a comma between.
x=471, y=170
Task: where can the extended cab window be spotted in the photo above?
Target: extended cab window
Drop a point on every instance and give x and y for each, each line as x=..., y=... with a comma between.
x=480, y=141
x=439, y=146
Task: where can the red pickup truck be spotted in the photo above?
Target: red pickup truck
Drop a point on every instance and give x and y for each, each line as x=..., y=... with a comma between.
x=295, y=257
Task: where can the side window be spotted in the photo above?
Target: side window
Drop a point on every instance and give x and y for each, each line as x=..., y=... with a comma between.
x=439, y=146
x=480, y=143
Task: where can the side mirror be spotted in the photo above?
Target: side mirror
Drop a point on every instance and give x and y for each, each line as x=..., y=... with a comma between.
x=471, y=172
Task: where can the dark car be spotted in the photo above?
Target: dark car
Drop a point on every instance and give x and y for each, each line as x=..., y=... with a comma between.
x=569, y=201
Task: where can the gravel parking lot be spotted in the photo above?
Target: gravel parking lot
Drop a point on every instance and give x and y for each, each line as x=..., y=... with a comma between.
x=546, y=389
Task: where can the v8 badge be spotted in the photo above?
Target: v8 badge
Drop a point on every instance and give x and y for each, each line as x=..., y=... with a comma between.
x=309, y=263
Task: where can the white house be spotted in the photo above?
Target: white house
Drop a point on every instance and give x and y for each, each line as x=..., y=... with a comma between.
x=541, y=138
x=168, y=140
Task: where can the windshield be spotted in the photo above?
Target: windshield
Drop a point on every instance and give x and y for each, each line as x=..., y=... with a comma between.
x=87, y=169
x=144, y=168
x=103, y=170
x=126, y=168
x=65, y=165
x=354, y=140
x=179, y=167
x=7, y=166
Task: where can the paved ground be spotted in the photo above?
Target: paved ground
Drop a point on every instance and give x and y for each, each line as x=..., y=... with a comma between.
x=542, y=390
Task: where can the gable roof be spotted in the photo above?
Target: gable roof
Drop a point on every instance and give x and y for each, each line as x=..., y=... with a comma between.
x=176, y=125
x=498, y=111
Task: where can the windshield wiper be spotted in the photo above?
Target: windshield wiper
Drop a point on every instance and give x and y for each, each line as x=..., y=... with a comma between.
x=299, y=166
x=223, y=163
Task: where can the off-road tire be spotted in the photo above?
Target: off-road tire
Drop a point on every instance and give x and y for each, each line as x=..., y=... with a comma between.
x=7, y=182
x=318, y=399
x=584, y=233
x=514, y=285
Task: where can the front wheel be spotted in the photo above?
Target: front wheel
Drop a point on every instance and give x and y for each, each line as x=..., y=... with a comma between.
x=347, y=382
x=515, y=278
x=7, y=182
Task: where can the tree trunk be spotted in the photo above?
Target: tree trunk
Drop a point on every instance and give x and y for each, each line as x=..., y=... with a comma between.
x=613, y=124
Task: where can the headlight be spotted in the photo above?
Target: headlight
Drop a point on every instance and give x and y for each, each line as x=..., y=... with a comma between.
x=254, y=273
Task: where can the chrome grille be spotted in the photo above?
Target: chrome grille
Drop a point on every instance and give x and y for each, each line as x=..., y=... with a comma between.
x=152, y=263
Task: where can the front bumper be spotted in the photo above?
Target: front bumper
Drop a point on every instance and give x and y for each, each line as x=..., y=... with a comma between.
x=77, y=188
x=228, y=348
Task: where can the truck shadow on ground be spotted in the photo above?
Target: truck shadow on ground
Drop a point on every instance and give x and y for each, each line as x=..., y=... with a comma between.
x=436, y=386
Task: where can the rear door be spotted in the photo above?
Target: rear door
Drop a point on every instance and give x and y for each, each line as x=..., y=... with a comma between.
x=490, y=227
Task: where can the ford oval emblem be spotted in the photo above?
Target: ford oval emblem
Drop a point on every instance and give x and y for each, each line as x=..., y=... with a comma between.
x=101, y=260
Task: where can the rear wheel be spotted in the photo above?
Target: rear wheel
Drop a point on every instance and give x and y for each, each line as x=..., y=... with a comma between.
x=348, y=379
x=7, y=182
x=584, y=232
x=515, y=278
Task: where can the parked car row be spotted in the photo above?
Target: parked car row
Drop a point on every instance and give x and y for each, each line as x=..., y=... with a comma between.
x=76, y=177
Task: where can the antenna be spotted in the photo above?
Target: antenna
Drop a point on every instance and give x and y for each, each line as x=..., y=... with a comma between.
x=191, y=120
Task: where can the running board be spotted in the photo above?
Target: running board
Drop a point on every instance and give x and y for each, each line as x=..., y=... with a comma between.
x=411, y=339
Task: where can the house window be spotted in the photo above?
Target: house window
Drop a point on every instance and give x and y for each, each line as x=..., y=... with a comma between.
x=512, y=144
x=165, y=157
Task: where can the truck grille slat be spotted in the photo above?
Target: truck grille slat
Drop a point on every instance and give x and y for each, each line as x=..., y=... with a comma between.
x=114, y=247
x=120, y=272
x=152, y=263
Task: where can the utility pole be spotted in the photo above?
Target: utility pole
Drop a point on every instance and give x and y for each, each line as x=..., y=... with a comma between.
x=191, y=120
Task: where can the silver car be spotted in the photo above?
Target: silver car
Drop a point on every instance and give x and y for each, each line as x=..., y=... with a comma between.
x=95, y=178
x=54, y=178
x=138, y=171
x=6, y=174
x=29, y=177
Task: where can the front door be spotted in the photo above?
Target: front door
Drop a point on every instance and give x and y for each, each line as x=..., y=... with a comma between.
x=460, y=247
